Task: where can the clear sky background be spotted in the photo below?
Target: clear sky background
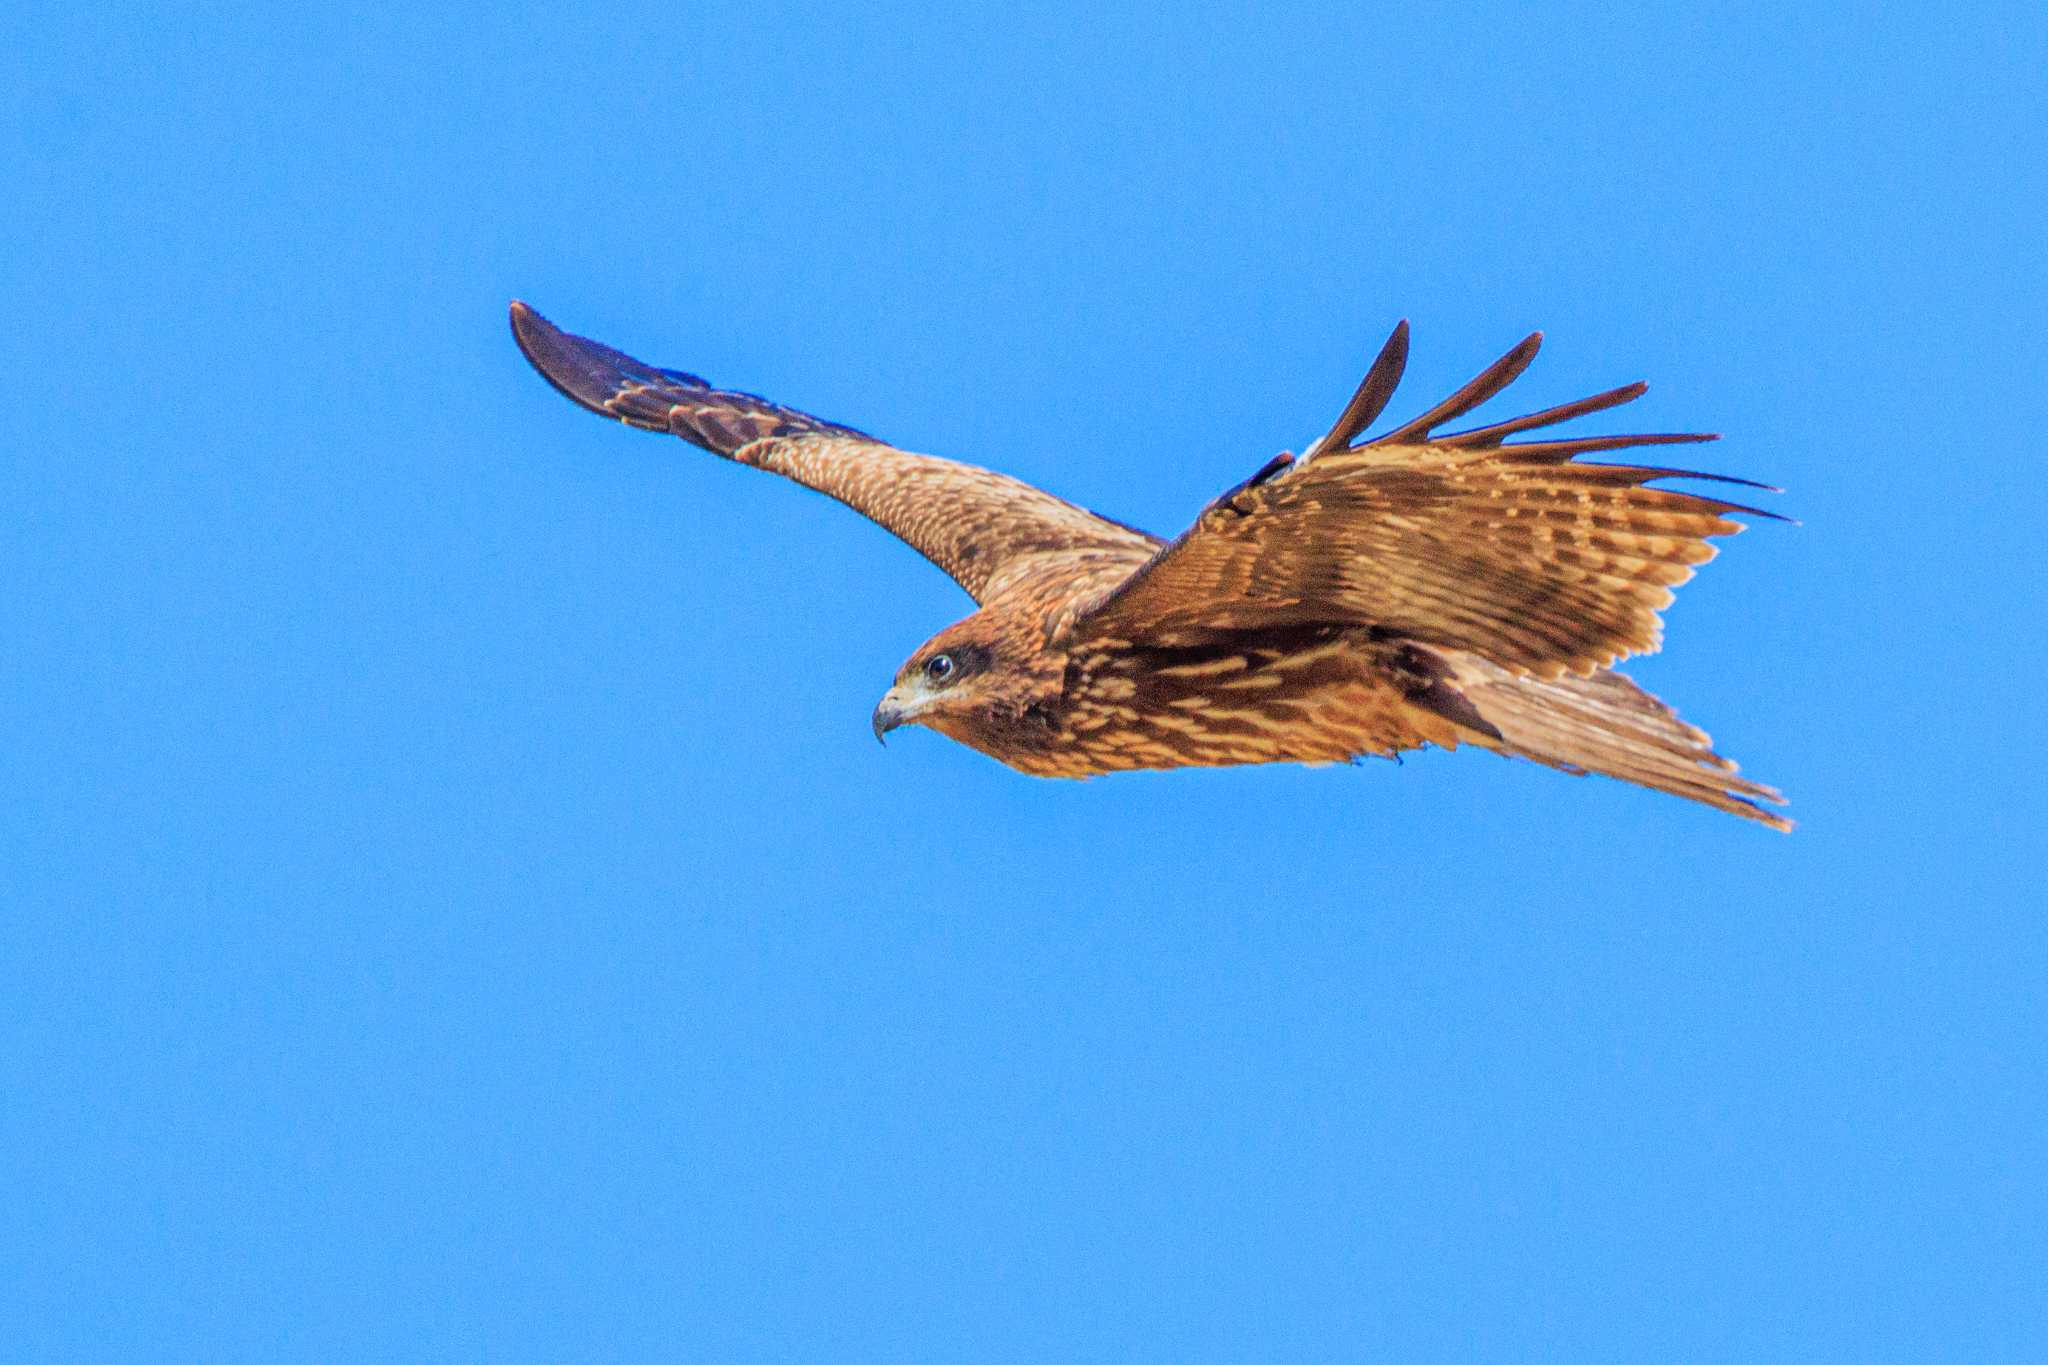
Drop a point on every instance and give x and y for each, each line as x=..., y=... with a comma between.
x=453, y=904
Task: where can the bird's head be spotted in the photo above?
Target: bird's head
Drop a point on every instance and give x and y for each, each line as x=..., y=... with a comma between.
x=965, y=682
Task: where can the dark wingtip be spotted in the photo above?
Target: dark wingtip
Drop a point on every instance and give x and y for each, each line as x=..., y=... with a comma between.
x=553, y=353
x=1520, y=357
x=1371, y=397
x=1489, y=382
x=594, y=376
x=535, y=334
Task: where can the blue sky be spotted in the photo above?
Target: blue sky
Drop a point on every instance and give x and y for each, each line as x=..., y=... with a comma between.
x=454, y=905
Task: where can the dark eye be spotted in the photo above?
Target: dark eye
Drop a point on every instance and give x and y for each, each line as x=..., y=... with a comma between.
x=939, y=667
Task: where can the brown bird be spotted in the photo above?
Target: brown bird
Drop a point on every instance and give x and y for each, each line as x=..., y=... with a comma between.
x=1366, y=598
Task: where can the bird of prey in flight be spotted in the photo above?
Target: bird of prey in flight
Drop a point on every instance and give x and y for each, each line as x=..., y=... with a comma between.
x=1365, y=598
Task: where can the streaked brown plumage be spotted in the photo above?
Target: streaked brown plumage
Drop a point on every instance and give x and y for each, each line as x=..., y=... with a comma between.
x=1367, y=598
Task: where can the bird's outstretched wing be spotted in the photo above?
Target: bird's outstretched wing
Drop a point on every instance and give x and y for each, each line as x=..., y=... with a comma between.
x=1511, y=550
x=971, y=522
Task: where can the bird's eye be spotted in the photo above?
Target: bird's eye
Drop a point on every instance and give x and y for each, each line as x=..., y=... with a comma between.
x=939, y=667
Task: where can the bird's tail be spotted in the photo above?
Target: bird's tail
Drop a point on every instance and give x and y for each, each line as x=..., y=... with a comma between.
x=1606, y=724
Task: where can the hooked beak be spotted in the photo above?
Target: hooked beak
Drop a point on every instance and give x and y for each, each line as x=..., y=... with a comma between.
x=888, y=715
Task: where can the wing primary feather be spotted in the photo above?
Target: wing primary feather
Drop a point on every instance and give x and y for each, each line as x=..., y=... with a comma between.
x=1557, y=452
x=592, y=375
x=1721, y=506
x=1374, y=392
x=1639, y=474
x=1563, y=412
x=613, y=384
x=1489, y=382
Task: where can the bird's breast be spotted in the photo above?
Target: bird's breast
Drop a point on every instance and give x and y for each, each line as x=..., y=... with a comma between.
x=1324, y=695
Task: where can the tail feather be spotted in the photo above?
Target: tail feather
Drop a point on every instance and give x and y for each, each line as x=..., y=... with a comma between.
x=1606, y=724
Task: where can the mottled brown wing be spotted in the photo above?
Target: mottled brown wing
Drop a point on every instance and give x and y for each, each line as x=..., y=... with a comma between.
x=1511, y=550
x=971, y=522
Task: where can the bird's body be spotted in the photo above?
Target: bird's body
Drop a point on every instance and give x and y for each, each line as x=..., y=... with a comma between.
x=1364, y=600
x=1317, y=694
